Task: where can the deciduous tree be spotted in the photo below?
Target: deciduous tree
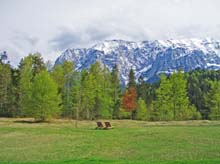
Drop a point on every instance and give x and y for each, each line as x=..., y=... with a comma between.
x=129, y=100
x=45, y=100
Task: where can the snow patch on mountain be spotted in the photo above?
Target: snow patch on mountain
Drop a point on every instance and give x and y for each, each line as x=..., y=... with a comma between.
x=148, y=58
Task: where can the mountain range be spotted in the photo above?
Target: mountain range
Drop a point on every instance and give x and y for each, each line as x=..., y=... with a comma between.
x=147, y=58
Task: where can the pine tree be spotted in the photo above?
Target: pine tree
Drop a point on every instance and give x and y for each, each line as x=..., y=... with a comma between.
x=115, y=91
x=64, y=75
x=68, y=72
x=89, y=95
x=106, y=95
x=213, y=101
x=198, y=86
x=77, y=95
x=38, y=64
x=142, y=89
x=6, y=94
x=131, y=82
x=14, y=94
x=103, y=89
x=45, y=100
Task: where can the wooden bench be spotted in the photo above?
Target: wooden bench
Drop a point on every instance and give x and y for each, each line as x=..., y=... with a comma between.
x=108, y=125
x=101, y=126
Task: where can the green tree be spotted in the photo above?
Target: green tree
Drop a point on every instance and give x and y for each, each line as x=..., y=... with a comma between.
x=58, y=76
x=147, y=92
x=88, y=95
x=25, y=82
x=45, y=100
x=198, y=86
x=172, y=102
x=115, y=91
x=179, y=99
x=6, y=88
x=38, y=64
x=68, y=72
x=14, y=95
x=131, y=82
x=163, y=104
x=213, y=100
x=103, y=89
x=29, y=67
x=142, y=89
x=106, y=97
x=77, y=94
x=141, y=110
x=63, y=75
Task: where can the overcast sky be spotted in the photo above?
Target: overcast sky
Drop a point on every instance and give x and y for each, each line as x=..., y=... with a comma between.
x=51, y=26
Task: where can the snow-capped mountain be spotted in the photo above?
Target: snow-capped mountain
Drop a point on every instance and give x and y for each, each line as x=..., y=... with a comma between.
x=148, y=58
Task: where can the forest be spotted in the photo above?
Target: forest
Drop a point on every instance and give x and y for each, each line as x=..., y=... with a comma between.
x=42, y=91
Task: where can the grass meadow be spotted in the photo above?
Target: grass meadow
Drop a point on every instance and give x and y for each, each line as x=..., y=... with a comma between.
x=193, y=142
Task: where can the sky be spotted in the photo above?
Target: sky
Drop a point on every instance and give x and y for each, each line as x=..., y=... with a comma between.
x=52, y=26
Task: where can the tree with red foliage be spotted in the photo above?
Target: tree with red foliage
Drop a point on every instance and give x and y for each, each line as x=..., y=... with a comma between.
x=129, y=100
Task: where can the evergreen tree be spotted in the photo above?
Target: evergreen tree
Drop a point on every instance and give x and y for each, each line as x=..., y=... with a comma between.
x=14, y=96
x=38, y=64
x=77, y=94
x=6, y=94
x=103, y=89
x=106, y=97
x=63, y=75
x=115, y=91
x=68, y=72
x=131, y=82
x=213, y=100
x=142, y=89
x=196, y=96
x=88, y=95
x=45, y=99
x=198, y=86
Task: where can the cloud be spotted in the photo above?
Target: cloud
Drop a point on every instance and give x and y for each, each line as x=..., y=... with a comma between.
x=22, y=39
x=64, y=39
x=51, y=26
x=67, y=38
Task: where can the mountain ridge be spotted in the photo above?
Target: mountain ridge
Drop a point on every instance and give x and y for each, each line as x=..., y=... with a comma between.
x=147, y=58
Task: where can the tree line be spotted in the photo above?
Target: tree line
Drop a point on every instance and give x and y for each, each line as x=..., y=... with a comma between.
x=35, y=90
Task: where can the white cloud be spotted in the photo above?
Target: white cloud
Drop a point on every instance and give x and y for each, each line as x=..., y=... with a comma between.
x=51, y=26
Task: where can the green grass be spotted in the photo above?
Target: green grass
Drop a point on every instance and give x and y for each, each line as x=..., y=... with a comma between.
x=193, y=142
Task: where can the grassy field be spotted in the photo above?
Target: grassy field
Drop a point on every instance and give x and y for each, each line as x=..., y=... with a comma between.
x=193, y=142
